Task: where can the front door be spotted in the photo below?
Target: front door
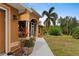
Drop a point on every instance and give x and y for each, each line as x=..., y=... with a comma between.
x=2, y=31
x=32, y=29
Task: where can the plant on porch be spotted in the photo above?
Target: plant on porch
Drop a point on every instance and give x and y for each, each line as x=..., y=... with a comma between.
x=28, y=46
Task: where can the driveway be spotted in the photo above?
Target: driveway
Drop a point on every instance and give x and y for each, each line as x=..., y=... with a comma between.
x=41, y=48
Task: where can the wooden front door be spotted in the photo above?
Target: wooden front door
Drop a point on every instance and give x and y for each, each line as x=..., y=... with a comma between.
x=2, y=31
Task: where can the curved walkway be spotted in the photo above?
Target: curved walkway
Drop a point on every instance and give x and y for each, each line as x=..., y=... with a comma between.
x=41, y=48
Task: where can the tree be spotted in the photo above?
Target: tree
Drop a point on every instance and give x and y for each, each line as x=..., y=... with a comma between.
x=73, y=24
x=67, y=24
x=51, y=16
x=62, y=24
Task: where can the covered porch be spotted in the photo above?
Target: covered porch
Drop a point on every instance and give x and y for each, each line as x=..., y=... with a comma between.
x=28, y=29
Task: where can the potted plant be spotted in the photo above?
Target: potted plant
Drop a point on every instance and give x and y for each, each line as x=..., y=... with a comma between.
x=28, y=46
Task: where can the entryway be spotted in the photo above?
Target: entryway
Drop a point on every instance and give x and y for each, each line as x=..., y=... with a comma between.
x=2, y=31
x=33, y=27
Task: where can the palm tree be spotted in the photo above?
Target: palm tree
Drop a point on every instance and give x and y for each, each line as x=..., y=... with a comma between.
x=51, y=16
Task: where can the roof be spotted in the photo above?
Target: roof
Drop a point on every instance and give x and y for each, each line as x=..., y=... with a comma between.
x=21, y=8
x=18, y=6
x=35, y=12
x=32, y=10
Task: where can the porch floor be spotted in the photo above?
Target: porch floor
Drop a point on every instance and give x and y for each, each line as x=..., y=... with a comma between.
x=41, y=48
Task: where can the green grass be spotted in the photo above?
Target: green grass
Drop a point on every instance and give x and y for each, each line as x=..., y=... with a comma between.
x=63, y=45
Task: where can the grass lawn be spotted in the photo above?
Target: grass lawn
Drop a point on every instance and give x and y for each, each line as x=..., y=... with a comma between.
x=63, y=45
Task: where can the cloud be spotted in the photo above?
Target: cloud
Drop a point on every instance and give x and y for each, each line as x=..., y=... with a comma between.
x=42, y=20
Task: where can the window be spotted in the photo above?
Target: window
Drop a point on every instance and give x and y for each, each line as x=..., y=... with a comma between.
x=23, y=28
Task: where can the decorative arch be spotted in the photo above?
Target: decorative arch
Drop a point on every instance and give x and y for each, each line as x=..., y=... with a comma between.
x=33, y=24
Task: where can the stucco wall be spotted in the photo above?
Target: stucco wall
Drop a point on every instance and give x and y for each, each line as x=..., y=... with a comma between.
x=24, y=16
x=28, y=16
x=13, y=27
x=33, y=16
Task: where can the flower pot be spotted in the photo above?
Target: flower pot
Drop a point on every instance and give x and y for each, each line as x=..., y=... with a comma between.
x=30, y=49
x=28, y=46
x=27, y=51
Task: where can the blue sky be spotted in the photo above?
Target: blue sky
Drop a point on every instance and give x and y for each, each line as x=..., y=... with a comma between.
x=62, y=9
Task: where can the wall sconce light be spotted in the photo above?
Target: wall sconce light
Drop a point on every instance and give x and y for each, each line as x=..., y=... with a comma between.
x=15, y=17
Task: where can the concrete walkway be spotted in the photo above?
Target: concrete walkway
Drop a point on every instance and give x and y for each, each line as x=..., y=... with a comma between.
x=41, y=48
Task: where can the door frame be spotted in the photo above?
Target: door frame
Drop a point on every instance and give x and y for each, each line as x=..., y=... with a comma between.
x=6, y=29
x=32, y=28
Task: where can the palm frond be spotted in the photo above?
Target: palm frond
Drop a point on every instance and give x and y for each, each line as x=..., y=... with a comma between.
x=45, y=13
x=54, y=15
x=47, y=22
x=51, y=9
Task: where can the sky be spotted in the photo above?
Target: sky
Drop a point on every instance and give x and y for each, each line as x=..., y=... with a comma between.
x=62, y=9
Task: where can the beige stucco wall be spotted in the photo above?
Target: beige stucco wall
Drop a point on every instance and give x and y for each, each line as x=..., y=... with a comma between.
x=28, y=16
x=13, y=27
x=33, y=16
x=24, y=16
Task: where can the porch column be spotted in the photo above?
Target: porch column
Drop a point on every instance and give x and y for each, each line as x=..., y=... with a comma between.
x=37, y=30
x=28, y=28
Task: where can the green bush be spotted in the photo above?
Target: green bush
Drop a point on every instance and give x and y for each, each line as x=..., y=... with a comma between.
x=28, y=43
x=54, y=31
x=75, y=33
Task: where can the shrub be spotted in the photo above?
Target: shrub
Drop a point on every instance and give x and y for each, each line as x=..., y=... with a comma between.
x=75, y=33
x=28, y=43
x=54, y=31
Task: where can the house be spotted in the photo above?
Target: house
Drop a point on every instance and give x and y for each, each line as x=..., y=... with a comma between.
x=29, y=20
x=13, y=18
